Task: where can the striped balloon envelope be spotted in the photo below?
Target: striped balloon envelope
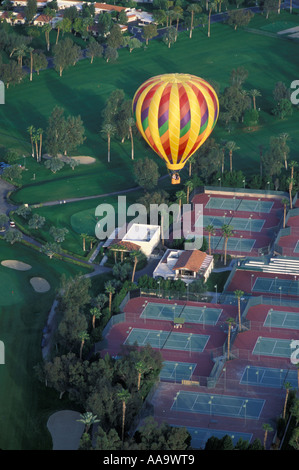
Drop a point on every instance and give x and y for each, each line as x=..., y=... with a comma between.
x=175, y=113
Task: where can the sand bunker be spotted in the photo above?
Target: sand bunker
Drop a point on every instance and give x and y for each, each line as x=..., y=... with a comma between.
x=84, y=160
x=40, y=284
x=14, y=264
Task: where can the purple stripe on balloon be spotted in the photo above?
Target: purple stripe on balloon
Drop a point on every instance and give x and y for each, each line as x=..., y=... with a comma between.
x=162, y=119
x=185, y=119
x=204, y=117
x=144, y=114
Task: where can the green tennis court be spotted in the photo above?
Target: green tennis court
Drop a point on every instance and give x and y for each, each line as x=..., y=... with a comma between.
x=244, y=205
x=276, y=286
x=273, y=347
x=190, y=314
x=167, y=340
x=234, y=244
x=277, y=319
x=218, y=405
x=177, y=371
x=268, y=377
x=238, y=223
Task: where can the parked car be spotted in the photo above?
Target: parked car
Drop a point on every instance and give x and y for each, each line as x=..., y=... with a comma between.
x=12, y=224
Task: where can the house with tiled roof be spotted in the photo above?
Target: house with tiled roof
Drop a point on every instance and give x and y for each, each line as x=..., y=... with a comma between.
x=13, y=17
x=137, y=237
x=187, y=265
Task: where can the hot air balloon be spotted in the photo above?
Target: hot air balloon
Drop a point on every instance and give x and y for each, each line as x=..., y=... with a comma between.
x=175, y=113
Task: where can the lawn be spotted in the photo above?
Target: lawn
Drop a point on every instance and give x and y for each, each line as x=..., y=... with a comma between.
x=84, y=89
x=24, y=405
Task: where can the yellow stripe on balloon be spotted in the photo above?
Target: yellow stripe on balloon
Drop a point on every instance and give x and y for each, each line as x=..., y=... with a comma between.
x=153, y=117
x=195, y=121
x=174, y=122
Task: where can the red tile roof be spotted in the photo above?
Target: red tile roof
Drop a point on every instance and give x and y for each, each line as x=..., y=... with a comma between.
x=126, y=246
x=106, y=6
x=191, y=260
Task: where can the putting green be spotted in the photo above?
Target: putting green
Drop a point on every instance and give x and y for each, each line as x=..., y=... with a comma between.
x=84, y=221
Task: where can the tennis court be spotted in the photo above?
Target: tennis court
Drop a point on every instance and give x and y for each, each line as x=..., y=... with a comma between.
x=168, y=340
x=296, y=249
x=177, y=371
x=190, y=314
x=234, y=244
x=244, y=205
x=269, y=377
x=218, y=405
x=277, y=319
x=273, y=347
x=199, y=436
x=276, y=286
x=237, y=223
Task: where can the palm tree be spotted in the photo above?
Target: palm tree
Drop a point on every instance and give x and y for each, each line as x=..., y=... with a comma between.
x=254, y=94
x=20, y=52
x=291, y=182
x=109, y=130
x=212, y=6
x=211, y=231
x=131, y=123
x=267, y=428
x=239, y=293
x=230, y=322
x=141, y=368
x=83, y=236
x=124, y=396
x=284, y=136
x=46, y=29
x=189, y=187
x=96, y=314
x=83, y=336
x=284, y=202
x=227, y=232
x=136, y=255
x=30, y=50
x=293, y=164
x=193, y=8
x=231, y=147
x=287, y=386
x=40, y=133
x=191, y=160
x=180, y=195
x=31, y=131
x=35, y=139
x=88, y=419
x=110, y=290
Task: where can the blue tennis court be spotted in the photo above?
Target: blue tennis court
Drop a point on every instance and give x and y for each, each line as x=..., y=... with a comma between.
x=190, y=314
x=237, y=223
x=199, y=436
x=234, y=244
x=218, y=405
x=273, y=347
x=276, y=286
x=177, y=371
x=168, y=340
x=242, y=205
x=279, y=319
x=269, y=377
x=296, y=249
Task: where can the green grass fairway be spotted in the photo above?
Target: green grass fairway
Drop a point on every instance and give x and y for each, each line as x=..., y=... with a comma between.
x=24, y=404
x=83, y=90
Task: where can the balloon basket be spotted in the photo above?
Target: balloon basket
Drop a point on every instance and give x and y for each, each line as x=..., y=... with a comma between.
x=175, y=179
